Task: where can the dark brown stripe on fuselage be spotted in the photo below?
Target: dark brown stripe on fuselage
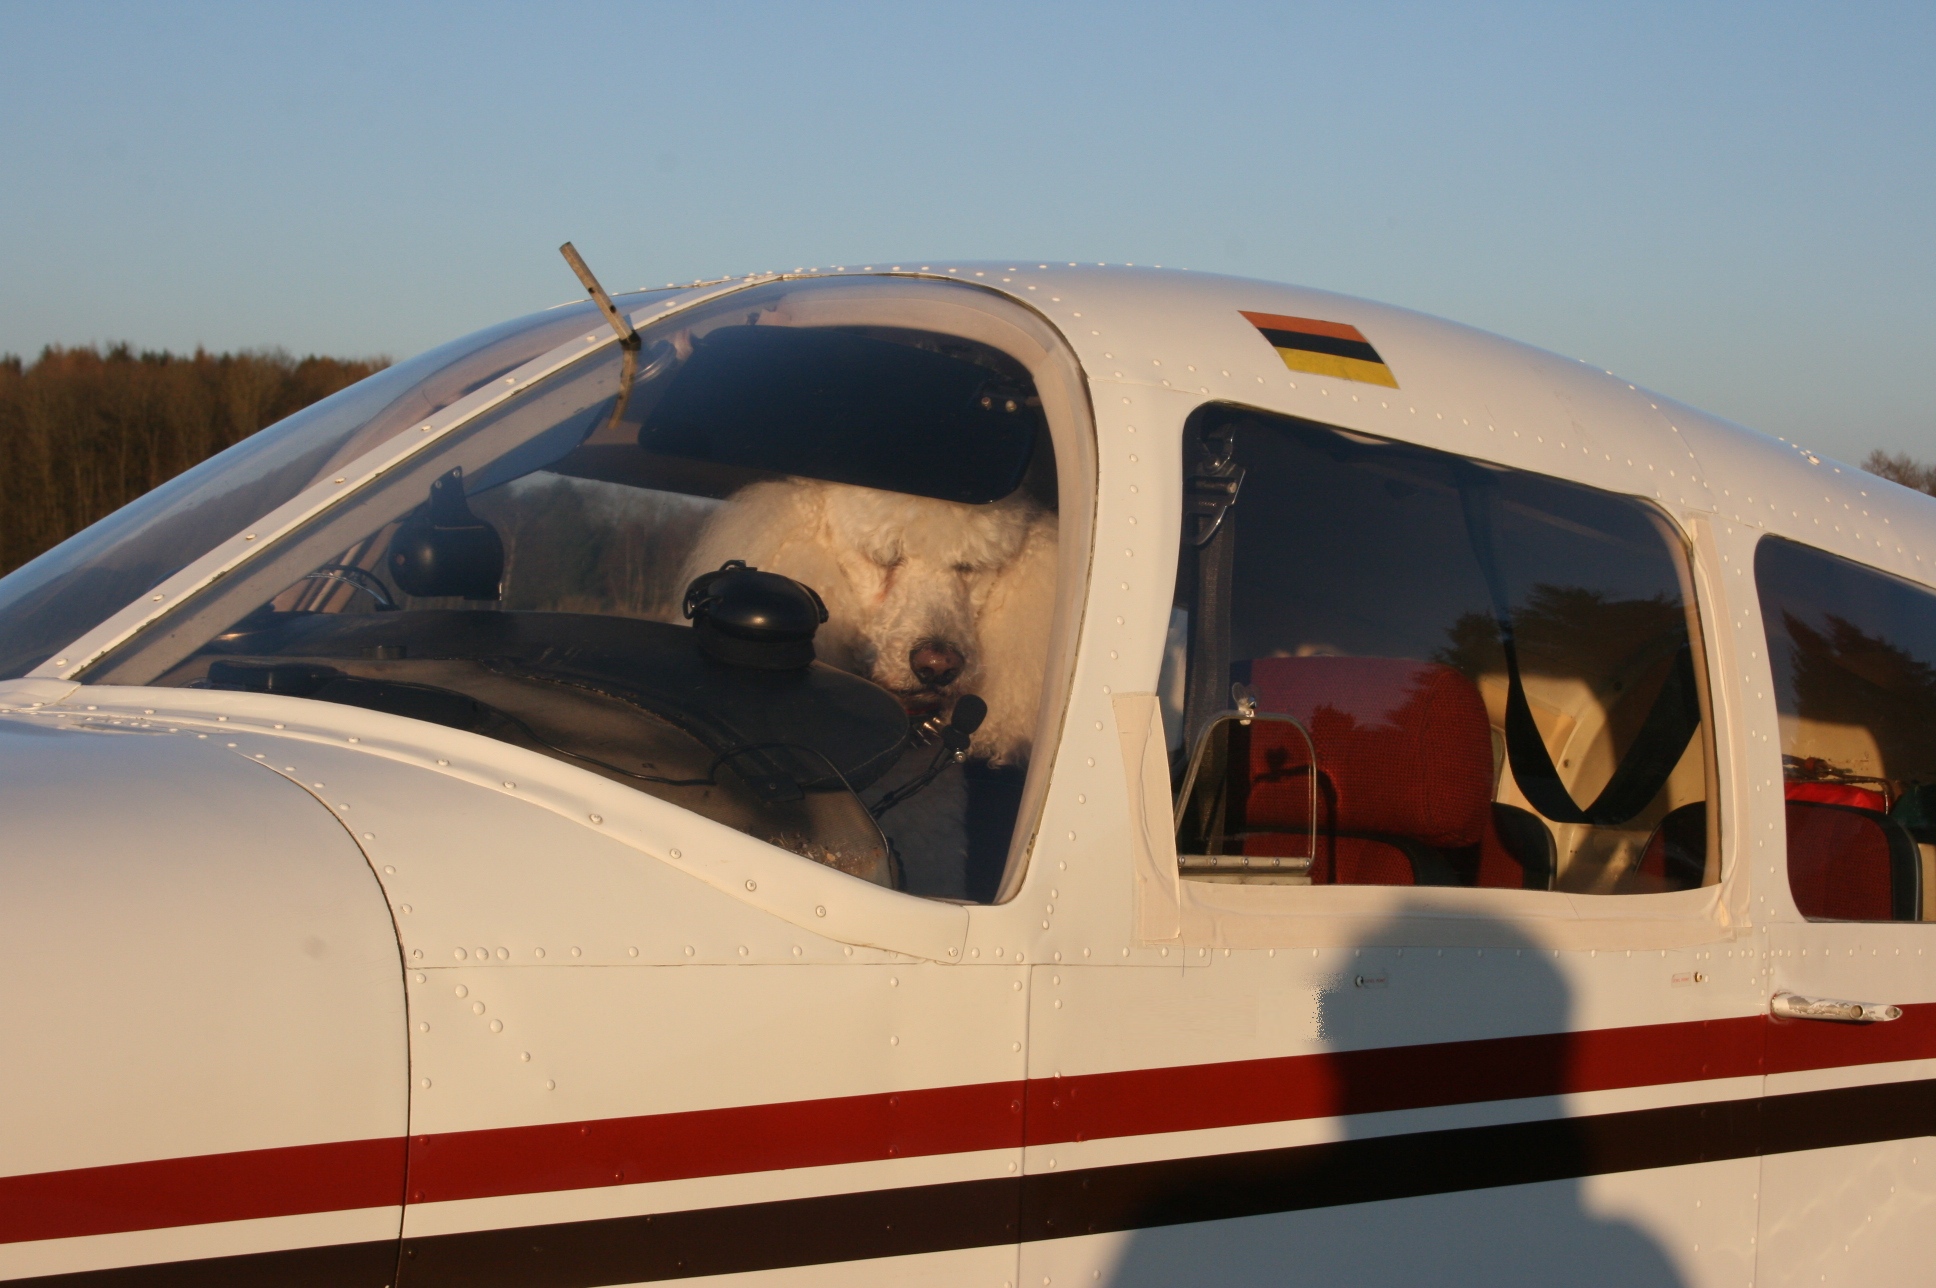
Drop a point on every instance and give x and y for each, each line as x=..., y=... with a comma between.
x=553, y=1158
x=713, y=1241
x=912, y=1220
x=1338, y=1173
x=1053, y=1205
x=343, y=1265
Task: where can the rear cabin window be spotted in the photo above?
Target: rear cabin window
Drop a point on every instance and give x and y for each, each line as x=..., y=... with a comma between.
x=1854, y=659
x=1394, y=666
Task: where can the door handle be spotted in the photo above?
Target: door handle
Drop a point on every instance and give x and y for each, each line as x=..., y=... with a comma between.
x=1793, y=1006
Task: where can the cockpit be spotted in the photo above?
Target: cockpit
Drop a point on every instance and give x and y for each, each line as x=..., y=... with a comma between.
x=790, y=562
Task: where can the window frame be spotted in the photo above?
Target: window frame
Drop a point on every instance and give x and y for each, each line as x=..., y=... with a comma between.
x=1928, y=891
x=942, y=305
x=1260, y=915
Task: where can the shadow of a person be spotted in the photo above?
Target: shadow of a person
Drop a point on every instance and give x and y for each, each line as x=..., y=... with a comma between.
x=1458, y=1169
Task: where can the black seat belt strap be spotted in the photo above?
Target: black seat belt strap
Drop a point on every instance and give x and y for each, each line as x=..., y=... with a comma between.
x=1671, y=722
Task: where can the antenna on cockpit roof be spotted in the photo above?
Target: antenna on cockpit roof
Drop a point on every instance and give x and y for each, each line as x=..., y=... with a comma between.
x=628, y=338
x=626, y=335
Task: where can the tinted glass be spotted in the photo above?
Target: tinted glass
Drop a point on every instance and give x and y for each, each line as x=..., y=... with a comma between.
x=626, y=567
x=1371, y=590
x=60, y=596
x=837, y=405
x=1853, y=653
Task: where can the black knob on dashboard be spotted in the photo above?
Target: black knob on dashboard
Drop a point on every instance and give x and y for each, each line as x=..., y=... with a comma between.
x=745, y=617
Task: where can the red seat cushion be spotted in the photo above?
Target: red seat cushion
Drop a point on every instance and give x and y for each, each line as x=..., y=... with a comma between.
x=1404, y=752
x=1341, y=860
x=1403, y=747
x=1499, y=868
x=1837, y=794
x=1839, y=862
x=1362, y=861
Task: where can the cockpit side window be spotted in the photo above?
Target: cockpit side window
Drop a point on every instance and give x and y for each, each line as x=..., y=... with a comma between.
x=1853, y=653
x=791, y=564
x=1395, y=666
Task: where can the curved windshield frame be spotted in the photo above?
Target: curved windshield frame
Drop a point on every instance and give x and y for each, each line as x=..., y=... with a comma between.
x=552, y=420
x=57, y=598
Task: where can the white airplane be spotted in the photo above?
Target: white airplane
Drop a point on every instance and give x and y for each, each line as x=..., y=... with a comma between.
x=1188, y=781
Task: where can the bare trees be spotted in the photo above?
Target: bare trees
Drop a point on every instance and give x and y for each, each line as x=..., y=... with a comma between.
x=83, y=431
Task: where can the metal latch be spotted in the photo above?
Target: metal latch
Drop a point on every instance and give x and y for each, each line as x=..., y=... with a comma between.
x=1793, y=1006
x=1215, y=479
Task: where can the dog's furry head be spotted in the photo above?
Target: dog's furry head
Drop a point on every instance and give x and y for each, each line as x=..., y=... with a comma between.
x=904, y=573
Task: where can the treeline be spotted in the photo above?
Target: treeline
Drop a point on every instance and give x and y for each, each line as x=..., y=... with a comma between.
x=1899, y=468
x=83, y=432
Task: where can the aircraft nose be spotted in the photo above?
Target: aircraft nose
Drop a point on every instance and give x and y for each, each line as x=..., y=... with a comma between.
x=935, y=664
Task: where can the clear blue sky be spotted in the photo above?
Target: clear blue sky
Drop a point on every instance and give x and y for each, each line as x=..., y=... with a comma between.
x=1732, y=203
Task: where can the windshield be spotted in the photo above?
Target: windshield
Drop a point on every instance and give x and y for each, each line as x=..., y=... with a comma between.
x=789, y=564
x=58, y=597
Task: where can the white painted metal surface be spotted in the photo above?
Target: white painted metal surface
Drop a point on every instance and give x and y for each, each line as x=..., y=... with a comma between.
x=197, y=961
x=775, y=1051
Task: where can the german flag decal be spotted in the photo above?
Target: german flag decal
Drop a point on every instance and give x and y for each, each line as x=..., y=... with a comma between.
x=1323, y=348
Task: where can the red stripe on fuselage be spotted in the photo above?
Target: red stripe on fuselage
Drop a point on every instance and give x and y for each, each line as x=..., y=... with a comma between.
x=289, y=1181
x=1240, y=1093
x=715, y=1142
x=933, y=1121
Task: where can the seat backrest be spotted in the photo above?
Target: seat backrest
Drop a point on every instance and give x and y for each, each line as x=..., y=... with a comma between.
x=1851, y=864
x=1675, y=857
x=1403, y=749
x=1837, y=794
x=1517, y=851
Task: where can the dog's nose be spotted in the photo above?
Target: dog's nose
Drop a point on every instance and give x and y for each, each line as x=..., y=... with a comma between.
x=935, y=665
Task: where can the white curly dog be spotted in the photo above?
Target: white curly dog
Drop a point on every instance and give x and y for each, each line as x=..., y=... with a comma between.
x=930, y=600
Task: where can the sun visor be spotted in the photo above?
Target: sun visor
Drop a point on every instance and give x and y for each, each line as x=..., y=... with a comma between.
x=831, y=404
